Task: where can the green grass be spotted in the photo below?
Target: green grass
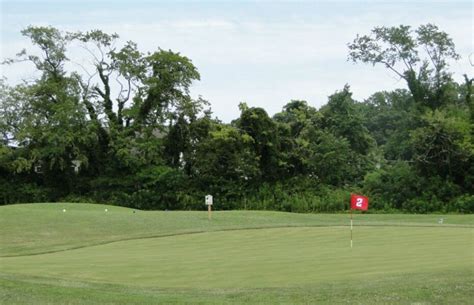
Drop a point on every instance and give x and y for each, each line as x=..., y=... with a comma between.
x=89, y=256
x=38, y=228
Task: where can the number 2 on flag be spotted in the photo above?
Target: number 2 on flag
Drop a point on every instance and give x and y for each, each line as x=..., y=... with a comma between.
x=359, y=202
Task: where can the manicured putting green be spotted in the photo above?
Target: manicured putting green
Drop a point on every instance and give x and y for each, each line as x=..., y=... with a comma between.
x=257, y=258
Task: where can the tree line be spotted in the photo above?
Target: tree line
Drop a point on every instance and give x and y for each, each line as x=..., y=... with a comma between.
x=125, y=130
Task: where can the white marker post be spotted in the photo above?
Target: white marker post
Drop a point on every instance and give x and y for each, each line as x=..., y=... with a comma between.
x=209, y=206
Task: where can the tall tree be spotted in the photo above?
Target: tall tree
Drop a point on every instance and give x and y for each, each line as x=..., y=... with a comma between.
x=225, y=160
x=47, y=119
x=112, y=115
x=256, y=123
x=292, y=121
x=420, y=58
x=340, y=116
x=390, y=117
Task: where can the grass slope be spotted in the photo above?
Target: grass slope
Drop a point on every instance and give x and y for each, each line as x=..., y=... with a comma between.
x=291, y=259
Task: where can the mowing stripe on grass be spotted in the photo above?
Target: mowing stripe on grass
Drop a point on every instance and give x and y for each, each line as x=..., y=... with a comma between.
x=282, y=257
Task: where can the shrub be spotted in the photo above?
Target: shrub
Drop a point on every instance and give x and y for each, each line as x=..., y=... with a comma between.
x=462, y=204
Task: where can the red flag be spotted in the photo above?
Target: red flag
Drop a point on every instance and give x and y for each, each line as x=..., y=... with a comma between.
x=359, y=202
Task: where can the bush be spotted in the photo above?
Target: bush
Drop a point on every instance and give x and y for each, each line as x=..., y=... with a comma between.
x=17, y=192
x=462, y=204
x=422, y=205
x=392, y=187
x=77, y=199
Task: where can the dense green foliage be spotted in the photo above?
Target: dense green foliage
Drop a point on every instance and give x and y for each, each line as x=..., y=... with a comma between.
x=125, y=130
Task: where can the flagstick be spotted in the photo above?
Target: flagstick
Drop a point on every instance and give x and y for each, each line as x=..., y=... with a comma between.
x=351, y=227
x=209, y=212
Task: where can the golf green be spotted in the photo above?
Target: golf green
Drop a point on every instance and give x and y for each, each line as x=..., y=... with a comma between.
x=245, y=257
x=257, y=258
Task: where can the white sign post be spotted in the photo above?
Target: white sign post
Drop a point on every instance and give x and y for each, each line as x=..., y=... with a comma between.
x=209, y=205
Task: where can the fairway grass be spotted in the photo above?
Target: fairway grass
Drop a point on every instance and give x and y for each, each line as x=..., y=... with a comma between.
x=453, y=287
x=89, y=256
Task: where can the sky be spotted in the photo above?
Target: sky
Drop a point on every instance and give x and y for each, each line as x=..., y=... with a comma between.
x=264, y=53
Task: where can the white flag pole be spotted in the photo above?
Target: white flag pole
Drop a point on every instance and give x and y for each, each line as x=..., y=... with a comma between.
x=351, y=227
